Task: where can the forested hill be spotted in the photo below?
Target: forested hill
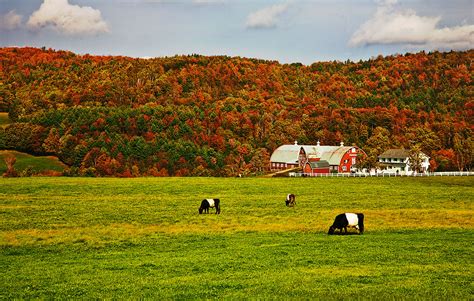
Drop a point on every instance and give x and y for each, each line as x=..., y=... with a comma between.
x=197, y=115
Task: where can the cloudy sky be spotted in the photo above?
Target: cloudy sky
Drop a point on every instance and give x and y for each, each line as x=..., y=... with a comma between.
x=289, y=31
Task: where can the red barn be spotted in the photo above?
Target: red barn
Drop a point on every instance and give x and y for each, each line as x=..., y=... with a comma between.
x=315, y=159
x=312, y=167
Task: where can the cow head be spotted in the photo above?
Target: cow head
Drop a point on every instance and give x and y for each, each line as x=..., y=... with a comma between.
x=200, y=210
x=331, y=230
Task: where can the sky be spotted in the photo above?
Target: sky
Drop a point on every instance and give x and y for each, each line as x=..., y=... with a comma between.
x=288, y=31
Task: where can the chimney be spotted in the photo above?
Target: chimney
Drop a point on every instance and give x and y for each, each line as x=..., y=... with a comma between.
x=318, y=144
x=296, y=142
x=342, y=144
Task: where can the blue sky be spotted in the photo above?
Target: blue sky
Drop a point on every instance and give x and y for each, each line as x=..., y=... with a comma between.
x=288, y=31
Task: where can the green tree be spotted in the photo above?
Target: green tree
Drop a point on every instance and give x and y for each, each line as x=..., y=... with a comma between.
x=52, y=143
x=260, y=161
x=378, y=142
x=415, y=158
x=464, y=150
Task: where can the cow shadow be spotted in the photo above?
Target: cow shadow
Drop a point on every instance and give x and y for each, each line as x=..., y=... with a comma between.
x=344, y=234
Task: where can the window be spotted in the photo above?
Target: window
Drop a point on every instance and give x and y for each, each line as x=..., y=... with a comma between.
x=353, y=161
x=344, y=168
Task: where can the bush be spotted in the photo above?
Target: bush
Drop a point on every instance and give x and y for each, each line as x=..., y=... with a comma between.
x=27, y=172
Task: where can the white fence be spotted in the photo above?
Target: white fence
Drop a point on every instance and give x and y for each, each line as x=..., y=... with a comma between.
x=383, y=175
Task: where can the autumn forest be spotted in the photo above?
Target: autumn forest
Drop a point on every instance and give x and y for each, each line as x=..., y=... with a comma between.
x=220, y=116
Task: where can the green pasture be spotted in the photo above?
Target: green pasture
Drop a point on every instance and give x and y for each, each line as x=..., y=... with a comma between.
x=36, y=163
x=143, y=238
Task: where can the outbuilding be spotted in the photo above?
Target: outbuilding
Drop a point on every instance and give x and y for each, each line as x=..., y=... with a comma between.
x=314, y=159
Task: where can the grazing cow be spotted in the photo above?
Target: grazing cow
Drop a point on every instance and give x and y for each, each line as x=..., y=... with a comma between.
x=210, y=203
x=344, y=220
x=290, y=200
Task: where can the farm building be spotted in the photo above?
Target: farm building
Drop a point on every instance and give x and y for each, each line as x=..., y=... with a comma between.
x=398, y=161
x=314, y=159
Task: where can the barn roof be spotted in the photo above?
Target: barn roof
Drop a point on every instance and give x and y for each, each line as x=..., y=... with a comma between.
x=319, y=164
x=331, y=154
x=289, y=153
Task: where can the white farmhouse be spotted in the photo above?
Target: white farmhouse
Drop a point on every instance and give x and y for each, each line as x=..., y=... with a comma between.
x=398, y=161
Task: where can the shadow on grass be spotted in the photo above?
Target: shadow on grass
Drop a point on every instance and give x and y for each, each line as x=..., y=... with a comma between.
x=344, y=234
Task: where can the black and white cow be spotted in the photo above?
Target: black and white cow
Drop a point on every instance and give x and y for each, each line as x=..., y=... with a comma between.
x=344, y=220
x=290, y=200
x=210, y=203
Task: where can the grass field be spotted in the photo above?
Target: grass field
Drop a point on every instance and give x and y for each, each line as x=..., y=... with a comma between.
x=122, y=238
x=37, y=163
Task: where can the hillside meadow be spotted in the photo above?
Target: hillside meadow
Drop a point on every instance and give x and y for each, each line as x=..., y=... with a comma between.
x=36, y=164
x=143, y=237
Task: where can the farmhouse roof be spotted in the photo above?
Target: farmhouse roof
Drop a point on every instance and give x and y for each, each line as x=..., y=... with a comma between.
x=395, y=153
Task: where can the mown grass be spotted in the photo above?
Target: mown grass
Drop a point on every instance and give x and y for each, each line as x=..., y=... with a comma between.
x=36, y=163
x=121, y=238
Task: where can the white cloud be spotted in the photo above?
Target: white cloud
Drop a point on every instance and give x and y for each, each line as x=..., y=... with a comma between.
x=67, y=18
x=10, y=20
x=266, y=17
x=391, y=25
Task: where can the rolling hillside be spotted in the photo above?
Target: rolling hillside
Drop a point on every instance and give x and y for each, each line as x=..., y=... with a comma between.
x=33, y=164
x=196, y=115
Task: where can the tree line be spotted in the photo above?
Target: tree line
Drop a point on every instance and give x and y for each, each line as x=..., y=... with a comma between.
x=222, y=116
